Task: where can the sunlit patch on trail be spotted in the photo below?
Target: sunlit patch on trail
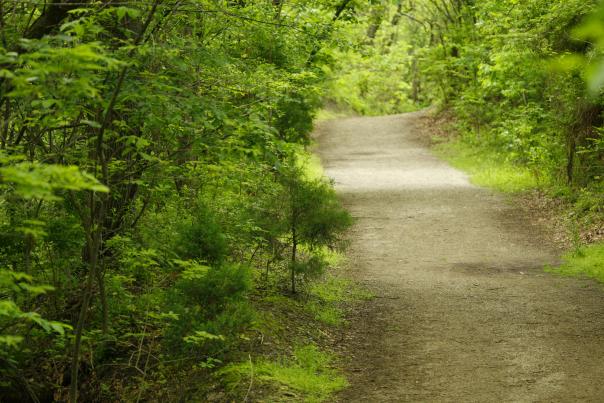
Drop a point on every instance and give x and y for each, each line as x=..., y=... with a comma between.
x=396, y=178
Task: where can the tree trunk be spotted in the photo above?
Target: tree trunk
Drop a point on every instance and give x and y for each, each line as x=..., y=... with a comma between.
x=52, y=17
x=294, y=259
x=377, y=16
x=94, y=240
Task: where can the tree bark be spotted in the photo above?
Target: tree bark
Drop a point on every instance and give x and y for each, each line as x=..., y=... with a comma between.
x=52, y=17
x=294, y=259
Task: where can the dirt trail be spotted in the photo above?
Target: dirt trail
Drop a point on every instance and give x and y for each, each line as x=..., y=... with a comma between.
x=464, y=311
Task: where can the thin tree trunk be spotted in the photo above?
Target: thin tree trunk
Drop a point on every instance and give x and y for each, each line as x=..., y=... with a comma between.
x=54, y=14
x=94, y=242
x=294, y=259
x=97, y=217
x=103, y=299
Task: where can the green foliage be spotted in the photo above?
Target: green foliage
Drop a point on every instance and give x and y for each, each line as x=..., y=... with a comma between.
x=211, y=287
x=488, y=166
x=21, y=328
x=203, y=238
x=368, y=76
x=11, y=315
x=42, y=181
x=327, y=296
x=142, y=156
x=305, y=377
x=315, y=211
x=297, y=111
x=313, y=217
x=513, y=73
x=587, y=261
x=591, y=30
x=209, y=304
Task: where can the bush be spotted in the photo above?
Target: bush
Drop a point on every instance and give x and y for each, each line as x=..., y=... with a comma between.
x=211, y=307
x=313, y=217
x=308, y=374
x=203, y=239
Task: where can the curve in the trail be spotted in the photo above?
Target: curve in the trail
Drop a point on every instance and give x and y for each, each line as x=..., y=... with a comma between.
x=463, y=310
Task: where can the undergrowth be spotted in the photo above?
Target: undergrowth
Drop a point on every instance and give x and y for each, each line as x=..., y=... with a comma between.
x=327, y=297
x=307, y=376
x=586, y=261
x=487, y=167
x=289, y=357
x=286, y=355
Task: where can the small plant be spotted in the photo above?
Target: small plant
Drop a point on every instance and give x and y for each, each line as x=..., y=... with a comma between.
x=314, y=218
x=589, y=262
x=210, y=307
x=203, y=238
x=328, y=295
x=307, y=376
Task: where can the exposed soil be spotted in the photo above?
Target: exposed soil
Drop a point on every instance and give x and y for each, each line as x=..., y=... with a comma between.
x=565, y=225
x=463, y=311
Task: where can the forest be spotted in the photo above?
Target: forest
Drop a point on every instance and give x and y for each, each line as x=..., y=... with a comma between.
x=165, y=229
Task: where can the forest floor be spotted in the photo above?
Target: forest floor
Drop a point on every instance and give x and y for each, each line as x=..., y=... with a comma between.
x=463, y=310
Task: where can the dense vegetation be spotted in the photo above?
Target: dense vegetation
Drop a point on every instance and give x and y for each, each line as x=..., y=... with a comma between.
x=522, y=79
x=154, y=172
x=153, y=177
x=504, y=67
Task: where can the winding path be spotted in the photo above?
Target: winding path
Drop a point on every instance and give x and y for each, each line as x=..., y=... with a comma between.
x=463, y=310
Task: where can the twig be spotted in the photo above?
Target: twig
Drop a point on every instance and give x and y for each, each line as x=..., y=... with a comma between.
x=249, y=389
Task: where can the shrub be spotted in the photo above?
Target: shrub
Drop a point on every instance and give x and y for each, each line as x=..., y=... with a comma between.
x=209, y=301
x=203, y=239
